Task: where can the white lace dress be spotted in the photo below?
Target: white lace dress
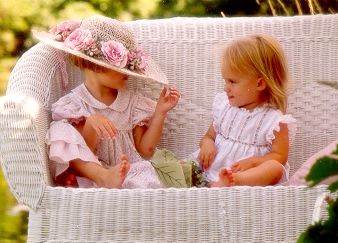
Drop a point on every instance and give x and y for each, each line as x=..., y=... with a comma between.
x=241, y=134
x=66, y=143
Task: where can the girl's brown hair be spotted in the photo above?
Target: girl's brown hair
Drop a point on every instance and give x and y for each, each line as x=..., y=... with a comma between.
x=85, y=64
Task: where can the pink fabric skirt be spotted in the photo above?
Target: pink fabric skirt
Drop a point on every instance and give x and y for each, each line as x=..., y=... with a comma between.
x=66, y=144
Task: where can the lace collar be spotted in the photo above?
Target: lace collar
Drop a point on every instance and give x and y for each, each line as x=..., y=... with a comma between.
x=120, y=104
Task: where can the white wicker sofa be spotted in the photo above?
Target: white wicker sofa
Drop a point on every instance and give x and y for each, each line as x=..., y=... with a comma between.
x=188, y=51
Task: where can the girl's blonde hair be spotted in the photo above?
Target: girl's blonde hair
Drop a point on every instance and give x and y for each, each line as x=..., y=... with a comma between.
x=262, y=56
x=85, y=64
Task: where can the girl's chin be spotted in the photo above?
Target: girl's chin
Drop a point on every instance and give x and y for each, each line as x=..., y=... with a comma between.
x=232, y=103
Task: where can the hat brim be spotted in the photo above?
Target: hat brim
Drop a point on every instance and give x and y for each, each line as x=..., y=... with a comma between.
x=152, y=73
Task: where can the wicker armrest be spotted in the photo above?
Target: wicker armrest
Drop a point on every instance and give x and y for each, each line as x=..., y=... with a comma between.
x=22, y=161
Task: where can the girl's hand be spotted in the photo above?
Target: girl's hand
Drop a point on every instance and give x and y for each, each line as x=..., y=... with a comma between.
x=167, y=102
x=207, y=153
x=242, y=165
x=103, y=127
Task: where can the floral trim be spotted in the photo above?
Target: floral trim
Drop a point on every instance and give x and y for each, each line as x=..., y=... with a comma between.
x=113, y=52
x=63, y=30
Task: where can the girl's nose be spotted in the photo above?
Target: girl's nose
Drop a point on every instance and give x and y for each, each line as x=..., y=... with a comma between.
x=226, y=87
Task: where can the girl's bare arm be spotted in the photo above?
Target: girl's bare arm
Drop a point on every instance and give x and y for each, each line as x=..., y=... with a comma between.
x=147, y=138
x=279, y=152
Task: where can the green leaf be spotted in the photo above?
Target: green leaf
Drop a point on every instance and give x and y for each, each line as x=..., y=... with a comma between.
x=187, y=171
x=323, y=168
x=164, y=155
x=336, y=151
x=329, y=83
x=168, y=169
x=333, y=187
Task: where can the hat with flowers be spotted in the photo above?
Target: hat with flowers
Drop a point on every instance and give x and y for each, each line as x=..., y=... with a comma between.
x=106, y=42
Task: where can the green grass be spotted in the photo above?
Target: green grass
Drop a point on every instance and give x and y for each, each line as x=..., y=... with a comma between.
x=13, y=227
x=6, y=65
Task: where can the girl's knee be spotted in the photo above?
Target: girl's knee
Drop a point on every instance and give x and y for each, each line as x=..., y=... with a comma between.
x=276, y=169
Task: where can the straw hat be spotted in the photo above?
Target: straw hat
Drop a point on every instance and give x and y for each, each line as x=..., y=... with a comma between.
x=106, y=42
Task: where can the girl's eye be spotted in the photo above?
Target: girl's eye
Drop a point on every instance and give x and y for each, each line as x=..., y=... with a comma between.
x=229, y=81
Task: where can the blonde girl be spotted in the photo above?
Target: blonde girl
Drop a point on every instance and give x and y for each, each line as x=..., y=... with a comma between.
x=248, y=140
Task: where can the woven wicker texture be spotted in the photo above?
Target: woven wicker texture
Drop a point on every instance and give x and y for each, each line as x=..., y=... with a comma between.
x=173, y=215
x=187, y=49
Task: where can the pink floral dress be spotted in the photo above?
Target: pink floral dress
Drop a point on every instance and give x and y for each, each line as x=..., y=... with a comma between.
x=66, y=143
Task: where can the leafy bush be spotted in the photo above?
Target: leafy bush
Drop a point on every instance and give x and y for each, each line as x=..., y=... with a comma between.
x=13, y=226
x=324, y=230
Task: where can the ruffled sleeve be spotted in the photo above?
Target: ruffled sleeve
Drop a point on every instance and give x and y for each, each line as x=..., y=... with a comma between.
x=218, y=107
x=69, y=107
x=143, y=110
x=289, y=121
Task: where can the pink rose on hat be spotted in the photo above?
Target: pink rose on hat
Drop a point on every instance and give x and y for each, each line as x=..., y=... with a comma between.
x=115, y=53
x=62, y=31
x=80, y=40
x=138, y=60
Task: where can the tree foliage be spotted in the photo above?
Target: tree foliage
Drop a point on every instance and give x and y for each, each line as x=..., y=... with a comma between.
x=324, y=230
x=170, y=8
x=13, y=226
x=18, y=17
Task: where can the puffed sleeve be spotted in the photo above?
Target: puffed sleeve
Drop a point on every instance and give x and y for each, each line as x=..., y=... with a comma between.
x=218, y=107
x=286, y=119
x=69, y=107
x=143, y=110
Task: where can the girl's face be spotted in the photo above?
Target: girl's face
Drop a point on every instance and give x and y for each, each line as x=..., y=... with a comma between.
x=243, y=91
x=112, y=79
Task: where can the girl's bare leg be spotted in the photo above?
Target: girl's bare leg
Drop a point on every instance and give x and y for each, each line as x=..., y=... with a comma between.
x=267, y=173
x=109, y=178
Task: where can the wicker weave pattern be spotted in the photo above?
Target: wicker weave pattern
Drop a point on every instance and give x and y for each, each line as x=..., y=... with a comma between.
x=172, y=215
x=188, y=51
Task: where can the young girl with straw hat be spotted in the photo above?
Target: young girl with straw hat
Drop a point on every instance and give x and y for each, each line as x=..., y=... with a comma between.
x=102, y=133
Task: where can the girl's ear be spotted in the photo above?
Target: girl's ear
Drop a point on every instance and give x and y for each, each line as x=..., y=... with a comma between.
x=261, y=84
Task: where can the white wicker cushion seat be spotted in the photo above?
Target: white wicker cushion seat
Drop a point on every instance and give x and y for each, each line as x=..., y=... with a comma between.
x=188, y=51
